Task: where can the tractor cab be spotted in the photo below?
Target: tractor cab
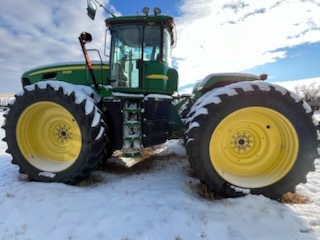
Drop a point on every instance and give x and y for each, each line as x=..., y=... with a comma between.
x=140, y=52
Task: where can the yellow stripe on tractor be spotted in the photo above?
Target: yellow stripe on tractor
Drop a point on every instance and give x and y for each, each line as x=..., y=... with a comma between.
x=157, y=76
x=66, y=69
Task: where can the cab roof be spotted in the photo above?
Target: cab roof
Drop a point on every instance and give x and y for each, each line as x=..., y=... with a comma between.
x=139, y=19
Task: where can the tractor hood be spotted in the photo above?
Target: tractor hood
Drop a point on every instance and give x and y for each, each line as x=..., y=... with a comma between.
x=66, y=66
x=72, y=72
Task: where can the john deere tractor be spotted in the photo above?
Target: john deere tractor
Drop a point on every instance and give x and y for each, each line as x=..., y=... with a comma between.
x=242, y=135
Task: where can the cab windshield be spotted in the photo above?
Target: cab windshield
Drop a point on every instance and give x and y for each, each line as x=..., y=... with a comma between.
x=133, y=44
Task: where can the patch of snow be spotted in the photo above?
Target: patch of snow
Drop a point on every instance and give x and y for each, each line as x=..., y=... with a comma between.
x=97, y=116
x=157, y=96
x=315, y=121
x=81, y=92
x=128, y=95
x=190, y=140
x=195, y=105
x=96, y=119
x=189, y=119
x=89, y=106
x=200, y=111
x=263, y=86
x=47, y=174
x=87, y=91
x=280, y=89
x=209, y=100
x=316, y=115
x=28, y=88
x=295, y=96
x=102, y=130
x=306, y=107
x=188, y=95
x=6, y=111
x=183, y=107
x=241, y=190
x=245, y=86
x=108, y=87
x=12, y=101
x=193, y=125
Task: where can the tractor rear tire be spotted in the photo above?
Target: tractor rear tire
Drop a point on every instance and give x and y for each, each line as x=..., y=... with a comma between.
x=252, y=137
x=55, y=134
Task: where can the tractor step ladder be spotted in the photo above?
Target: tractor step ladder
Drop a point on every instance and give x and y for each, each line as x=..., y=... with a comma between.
x=132, y=128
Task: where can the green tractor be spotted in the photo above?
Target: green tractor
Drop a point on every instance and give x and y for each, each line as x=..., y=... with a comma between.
x=242, y=135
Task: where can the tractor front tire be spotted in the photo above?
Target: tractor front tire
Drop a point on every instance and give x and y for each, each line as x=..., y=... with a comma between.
x=252, y=138
x=55, y=134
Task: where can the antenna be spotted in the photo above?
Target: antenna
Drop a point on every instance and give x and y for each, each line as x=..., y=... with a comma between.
x=138, y=6
x=105, y=9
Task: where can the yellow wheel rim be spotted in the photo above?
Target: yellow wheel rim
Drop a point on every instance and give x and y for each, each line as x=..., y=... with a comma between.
x=48, y=136
x=254, y=147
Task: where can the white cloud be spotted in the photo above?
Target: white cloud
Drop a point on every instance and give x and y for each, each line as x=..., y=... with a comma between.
x=40, y=32
x=291, y=85
x=222, y=36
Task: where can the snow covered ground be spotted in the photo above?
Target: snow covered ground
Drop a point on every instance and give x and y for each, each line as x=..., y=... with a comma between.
x=155, y=199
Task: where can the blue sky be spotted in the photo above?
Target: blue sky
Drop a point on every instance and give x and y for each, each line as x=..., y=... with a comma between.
x=129, y=7
x=301, y=62
x=277, y=37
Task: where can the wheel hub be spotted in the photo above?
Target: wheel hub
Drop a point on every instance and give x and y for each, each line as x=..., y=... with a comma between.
x=241, y=141
x=63, y=133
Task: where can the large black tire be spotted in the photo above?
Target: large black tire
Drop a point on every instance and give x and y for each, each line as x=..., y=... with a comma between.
x=185, y=109
x=183, y=113
x=55, y=133
x=251, y=137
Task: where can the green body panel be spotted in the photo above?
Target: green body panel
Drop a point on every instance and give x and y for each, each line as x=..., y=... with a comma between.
x=75, y=73
x=220, y=79
x=173, y=80
x=156, y=78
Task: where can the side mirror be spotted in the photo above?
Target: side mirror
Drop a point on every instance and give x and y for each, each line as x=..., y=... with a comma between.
x=91, y=9
x=85, y=37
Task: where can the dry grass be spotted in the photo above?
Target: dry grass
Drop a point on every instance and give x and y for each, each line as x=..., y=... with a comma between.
x=150, y=161
x=288, y=198
x=89, y=181
x=203, y=191
x=294, y=198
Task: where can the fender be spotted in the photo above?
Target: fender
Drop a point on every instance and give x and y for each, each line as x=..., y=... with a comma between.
x=221, y=79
